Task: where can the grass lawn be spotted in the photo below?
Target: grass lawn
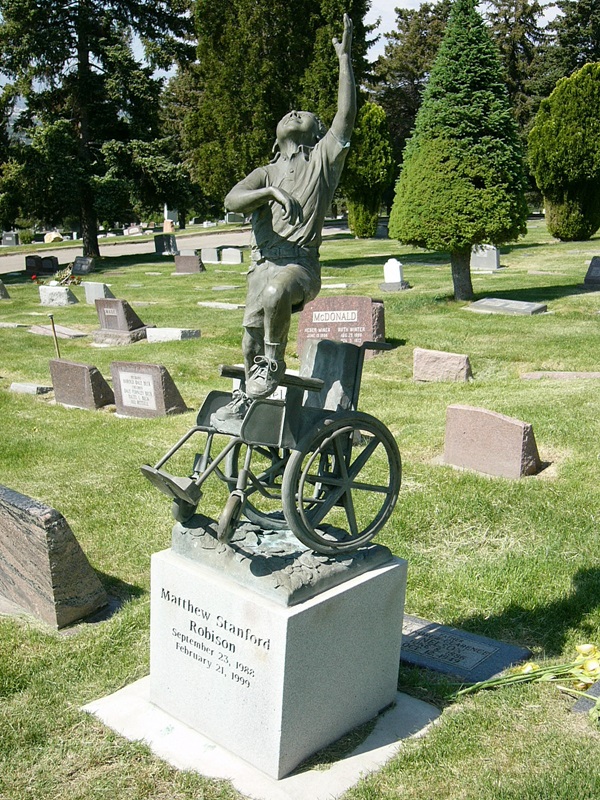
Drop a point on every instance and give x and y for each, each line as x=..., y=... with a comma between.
x=514, y=560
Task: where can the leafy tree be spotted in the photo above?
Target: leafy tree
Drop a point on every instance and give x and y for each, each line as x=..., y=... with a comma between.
x=369, y=169
x=462, y=179
x=81, y=86
x=564, y=151
x=257, y=59
x=402, y=72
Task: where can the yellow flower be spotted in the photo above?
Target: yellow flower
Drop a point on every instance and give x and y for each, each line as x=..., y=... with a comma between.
x=591, y=666
x=527, y=668
x=586, y=649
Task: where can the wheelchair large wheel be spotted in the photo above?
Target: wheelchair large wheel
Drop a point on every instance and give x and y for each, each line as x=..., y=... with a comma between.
x=341, y=484
x=263, y=502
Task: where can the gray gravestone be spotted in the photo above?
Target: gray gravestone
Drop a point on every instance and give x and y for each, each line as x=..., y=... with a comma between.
x=494, y=305
x=210, y=255
x=489, y=442
x=485, y=258
x=343, y=318
x=119, y=324
x=145, y=390
x=4, y=295
x=165, y=244
x=29, y=388
x=56, y=296
x=82, y=265
x=231, y=255
x=187, y=265
x=10, y=239
x=232, y=218
x=470, y=657
x=42, y=567
x=33, y=265
x=437, y=365
x=95, y=291
x=592, y=278
x=79, y=385
x=50, y=264
x=60, y=330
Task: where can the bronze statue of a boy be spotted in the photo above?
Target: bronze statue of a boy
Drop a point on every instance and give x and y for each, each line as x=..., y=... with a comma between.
x=288, y=200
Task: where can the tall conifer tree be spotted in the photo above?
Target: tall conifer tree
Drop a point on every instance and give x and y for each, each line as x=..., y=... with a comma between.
x=462, y=180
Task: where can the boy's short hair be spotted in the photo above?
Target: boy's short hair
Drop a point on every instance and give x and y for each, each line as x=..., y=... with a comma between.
x=320, y=131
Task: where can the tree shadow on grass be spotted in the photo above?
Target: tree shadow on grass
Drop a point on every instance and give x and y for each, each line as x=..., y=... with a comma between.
x=429, y=259
x=545, y=627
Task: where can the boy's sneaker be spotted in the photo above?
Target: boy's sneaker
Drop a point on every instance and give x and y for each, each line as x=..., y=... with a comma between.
x=265, y=376
x=229, y=418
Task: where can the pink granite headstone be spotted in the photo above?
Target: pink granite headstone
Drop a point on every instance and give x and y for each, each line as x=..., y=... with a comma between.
x=342, y=319
x=489, y=442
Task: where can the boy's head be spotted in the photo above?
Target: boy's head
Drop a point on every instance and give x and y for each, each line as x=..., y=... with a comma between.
x=301, y=128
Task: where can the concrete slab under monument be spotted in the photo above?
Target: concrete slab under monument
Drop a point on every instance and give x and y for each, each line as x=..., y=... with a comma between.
x=130, y=712
x=263, y=679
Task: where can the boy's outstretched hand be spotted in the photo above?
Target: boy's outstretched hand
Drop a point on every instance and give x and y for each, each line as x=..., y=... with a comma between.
x=343, y=48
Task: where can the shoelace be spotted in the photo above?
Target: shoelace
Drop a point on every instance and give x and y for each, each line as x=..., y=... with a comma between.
x=263, y=365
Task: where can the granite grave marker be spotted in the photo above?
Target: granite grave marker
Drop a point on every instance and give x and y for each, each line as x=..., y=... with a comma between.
x=347, y=318
x=592, y=278
x=83, y=265
x=42, y=566
x=437, y=365
x=145, y=390
x=79, y=385
x=119, y=324
x=56, y=296
x=495, y=305
x=485, y=258
x=489, y=442
x=95, y=291
x=4, y=295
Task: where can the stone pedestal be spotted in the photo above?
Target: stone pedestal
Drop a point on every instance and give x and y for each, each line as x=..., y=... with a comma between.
x=272, y=683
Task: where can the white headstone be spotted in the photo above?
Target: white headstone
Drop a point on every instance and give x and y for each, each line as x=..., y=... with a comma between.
x=392, y=271
x=57, y=296
x=485, y=258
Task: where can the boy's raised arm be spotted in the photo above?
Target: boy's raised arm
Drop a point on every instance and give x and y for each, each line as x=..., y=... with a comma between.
x=343, y=122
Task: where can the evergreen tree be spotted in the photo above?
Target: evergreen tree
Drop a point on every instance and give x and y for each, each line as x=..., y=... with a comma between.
x=462, y=179
x=73, y=66
x=564, y=152
x=369, y=169
x=577, y=35
x=402, y=72
x=518, y=35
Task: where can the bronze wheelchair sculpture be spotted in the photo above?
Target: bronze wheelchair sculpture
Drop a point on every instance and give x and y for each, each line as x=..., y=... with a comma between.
x=332, y=477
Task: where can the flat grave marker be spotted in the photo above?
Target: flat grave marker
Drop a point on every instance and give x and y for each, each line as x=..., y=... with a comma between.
x=171, y=334
x=145, y=390
x=495, y=305
x=466, y=655
x=61, y=331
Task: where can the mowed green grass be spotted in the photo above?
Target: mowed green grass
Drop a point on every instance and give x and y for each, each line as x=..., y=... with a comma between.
x=515, y=560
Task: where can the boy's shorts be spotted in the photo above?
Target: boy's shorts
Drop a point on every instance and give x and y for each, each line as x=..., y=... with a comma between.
x=304, y=285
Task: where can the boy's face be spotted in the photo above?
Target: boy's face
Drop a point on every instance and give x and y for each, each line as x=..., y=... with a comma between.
x=301, y=127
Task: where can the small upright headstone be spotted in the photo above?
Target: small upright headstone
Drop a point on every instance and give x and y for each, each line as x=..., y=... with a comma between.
x=56, y=296
x=42, y=567
x=82, y=265
x=133, y=230
x=188, y=264
x=79, y=385
x=485, y=258
x=10, y=239
x=119, y=324
x=168, y=226
x=4, y=295
x=231, y=255
x=232, y=218
x=210, y=255
x=49, y=264
x=489, y=442
x=495, y=305
x=342, y=318
x=393, y=277
x=33, y=265
x=436, y=365
x=145, y=390
x=95, y=291
x=165, y=244
x=592, y=278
